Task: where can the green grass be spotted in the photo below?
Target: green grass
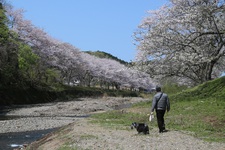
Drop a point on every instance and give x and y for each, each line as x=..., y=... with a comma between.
x=75, y=146
x=204, y=118
x=118, y=119
x=199, y=111
x=67, y=147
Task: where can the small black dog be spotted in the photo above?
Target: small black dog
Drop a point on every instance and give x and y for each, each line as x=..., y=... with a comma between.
x=141, y=127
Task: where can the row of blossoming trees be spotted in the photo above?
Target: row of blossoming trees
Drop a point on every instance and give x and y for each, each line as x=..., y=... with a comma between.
x=56, y=61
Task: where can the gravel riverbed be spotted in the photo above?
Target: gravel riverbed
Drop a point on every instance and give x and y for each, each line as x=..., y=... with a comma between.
x=57, y=114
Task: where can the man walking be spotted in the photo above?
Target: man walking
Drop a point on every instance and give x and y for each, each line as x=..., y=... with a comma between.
x=160, y=103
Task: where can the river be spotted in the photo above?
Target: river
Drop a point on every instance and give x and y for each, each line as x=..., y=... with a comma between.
x=10, y=141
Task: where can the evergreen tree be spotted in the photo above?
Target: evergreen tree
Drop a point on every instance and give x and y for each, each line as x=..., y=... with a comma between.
x=4, y=32
x=8, y=52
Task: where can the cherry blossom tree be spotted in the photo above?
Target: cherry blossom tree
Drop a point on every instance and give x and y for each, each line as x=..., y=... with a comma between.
x=183, y=39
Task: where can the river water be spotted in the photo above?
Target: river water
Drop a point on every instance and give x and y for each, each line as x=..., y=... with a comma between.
x=13, y=140
x=10, y=141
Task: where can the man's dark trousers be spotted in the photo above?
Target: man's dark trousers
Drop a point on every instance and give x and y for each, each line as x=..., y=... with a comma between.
x=160, y=119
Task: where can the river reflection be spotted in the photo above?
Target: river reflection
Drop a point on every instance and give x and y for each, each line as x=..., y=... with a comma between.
x=10, y=141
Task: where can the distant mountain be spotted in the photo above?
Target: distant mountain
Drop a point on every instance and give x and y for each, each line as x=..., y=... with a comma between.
x=102, y=54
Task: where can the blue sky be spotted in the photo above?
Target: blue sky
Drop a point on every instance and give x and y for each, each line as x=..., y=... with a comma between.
x=105, y=25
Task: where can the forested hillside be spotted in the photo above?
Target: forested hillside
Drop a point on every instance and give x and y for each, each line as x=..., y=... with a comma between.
x=102, y=54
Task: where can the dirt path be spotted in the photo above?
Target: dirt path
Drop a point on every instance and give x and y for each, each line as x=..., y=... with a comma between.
x=83, y=135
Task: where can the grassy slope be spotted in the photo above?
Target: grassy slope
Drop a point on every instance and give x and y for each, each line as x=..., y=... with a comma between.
x=199, y=111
